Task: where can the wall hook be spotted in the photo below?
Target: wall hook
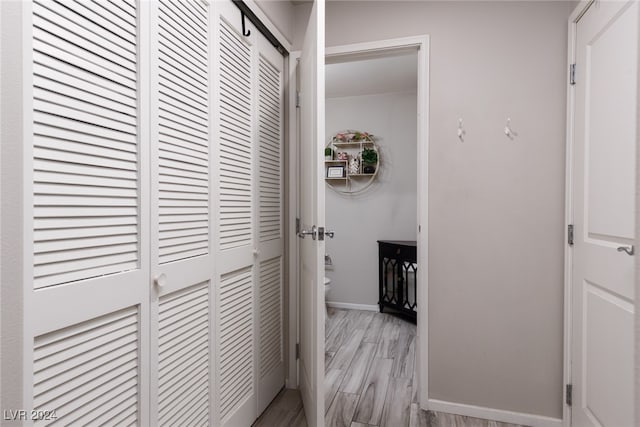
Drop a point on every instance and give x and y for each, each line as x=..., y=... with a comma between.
x=510, y=133
x=461, y=131
x=245, y=32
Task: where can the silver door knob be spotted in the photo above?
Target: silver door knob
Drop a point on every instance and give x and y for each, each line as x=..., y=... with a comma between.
x=329, y=233
x=628, y=249
x=313, y=233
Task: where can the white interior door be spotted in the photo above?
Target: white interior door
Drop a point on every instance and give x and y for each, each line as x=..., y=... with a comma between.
x=86, y=318
x=235, y=193
x=311, y=141
x=269, y=256
x=181, y=220
x=249, y=140
x=603, y=190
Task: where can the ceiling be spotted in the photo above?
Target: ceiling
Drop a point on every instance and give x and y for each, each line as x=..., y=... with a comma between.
x=368, y=76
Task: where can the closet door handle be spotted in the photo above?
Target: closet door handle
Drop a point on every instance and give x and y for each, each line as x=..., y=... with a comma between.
x=160, y=280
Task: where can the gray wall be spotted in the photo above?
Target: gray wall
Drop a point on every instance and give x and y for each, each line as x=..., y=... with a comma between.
x=281, y=15
x=496, y=206
x=637, y=242
x=387, y=210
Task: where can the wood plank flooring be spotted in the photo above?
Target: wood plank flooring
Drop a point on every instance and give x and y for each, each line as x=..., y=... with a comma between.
x=370, y=375
x=370, y=378
x=285, y=411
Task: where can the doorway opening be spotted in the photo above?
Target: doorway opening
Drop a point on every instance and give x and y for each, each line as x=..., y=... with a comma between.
x=375, y=170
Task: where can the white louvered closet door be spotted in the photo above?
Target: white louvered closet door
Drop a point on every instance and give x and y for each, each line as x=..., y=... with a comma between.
x=234, y=176
x=87, y=306
x=268, y=182
x=182, y=208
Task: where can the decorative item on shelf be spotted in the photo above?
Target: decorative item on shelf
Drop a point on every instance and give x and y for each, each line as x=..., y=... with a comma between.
x=354, y=165
x=335, y=172
x=352, y=136
x=369, y=160
x=328, y=153
x=343, y=155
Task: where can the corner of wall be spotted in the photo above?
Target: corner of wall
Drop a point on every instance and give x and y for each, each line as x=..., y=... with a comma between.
x=11, y=169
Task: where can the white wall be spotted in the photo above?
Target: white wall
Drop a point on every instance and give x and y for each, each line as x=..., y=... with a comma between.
x=281, y=14
x=387, y=210
x=11, y=170
x=301, y=14
x=496, y=206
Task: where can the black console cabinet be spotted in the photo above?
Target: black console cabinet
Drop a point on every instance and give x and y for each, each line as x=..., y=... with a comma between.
x=397, y=270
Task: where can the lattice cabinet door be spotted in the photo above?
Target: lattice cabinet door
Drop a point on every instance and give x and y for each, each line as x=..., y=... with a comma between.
x=397, y=272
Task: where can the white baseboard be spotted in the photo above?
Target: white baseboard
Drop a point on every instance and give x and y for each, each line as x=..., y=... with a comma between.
x=493, y=414
x=350, y=306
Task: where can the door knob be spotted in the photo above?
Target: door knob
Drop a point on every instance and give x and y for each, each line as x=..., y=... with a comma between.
x=329, y=233
x=160, y=280
x=313, y=233
x=628, y=249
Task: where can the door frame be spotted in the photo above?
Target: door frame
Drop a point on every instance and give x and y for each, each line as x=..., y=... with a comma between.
x=580, y=9
x=292, y=213
x=380, y=47
x=568, y=249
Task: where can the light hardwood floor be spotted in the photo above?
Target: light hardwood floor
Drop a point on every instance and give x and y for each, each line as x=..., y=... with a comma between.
x=370, y=378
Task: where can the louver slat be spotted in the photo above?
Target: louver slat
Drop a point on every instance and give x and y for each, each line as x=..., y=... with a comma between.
x=183, y=131
x=89, y=372
x=183, y=389
x=235, y=332
x=235, y=140
x=270, y=315
x=85, y=141
x=269, y=127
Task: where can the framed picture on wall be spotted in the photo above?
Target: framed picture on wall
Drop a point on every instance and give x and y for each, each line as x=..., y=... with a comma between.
x=335, y=171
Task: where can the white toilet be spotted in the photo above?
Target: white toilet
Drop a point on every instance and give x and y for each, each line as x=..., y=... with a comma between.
x=327, y=288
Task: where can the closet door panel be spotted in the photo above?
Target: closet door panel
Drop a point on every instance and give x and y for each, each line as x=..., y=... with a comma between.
x=269, y=153
x=182, y=260
x=234, y=142
x=183, y=348
x=86, y=311
x=74, y=80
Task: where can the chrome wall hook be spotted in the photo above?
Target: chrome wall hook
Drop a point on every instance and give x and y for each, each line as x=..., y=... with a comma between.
x=510, y=133
x=461, y=131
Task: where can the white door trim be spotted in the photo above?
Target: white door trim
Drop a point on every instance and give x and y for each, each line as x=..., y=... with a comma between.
x=422, y=44
x=568, y=249
x=292, y=250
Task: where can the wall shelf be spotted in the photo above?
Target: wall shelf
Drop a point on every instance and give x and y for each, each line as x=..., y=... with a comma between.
x=356, y=182
x=352, y=143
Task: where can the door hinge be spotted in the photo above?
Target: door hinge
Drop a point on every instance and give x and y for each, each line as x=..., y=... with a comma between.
x=297, y=351
x=297, y=225
x=572, y=74
x=569, y=394
x=570, y=234
x=297, y=99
